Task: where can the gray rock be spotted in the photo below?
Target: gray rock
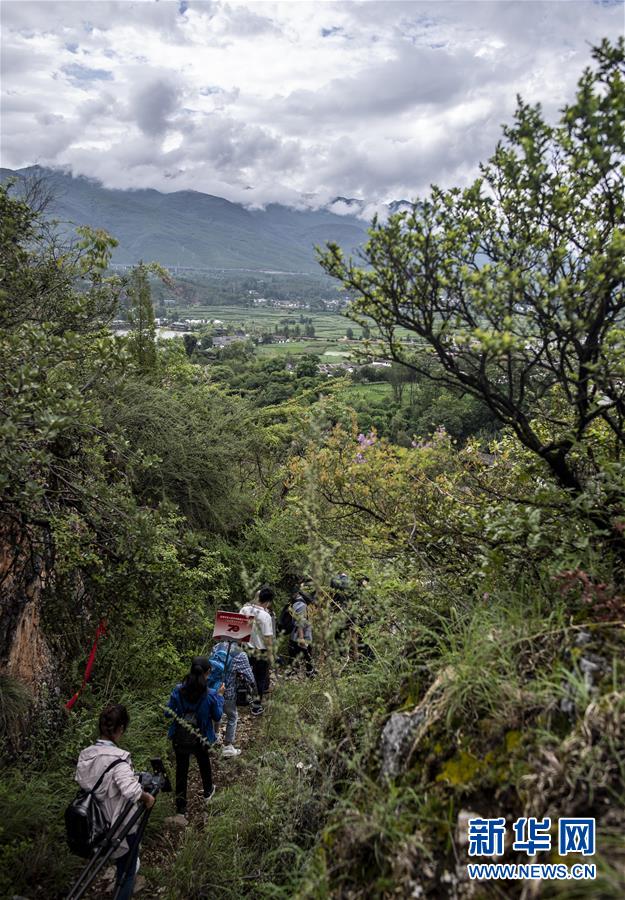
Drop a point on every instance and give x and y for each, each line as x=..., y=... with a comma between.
x=403, y=732
x=397, y=740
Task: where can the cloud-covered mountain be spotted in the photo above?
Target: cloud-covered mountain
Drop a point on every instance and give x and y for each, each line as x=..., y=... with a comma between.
x=279, y=102
x=188, y=228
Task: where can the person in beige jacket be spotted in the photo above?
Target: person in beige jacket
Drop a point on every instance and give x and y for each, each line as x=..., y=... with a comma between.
x=120, y=791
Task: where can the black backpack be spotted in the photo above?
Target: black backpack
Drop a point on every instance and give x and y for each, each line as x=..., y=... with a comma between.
x=244, y=690
x=186, y=735
x=284, y=624
x=86, y=823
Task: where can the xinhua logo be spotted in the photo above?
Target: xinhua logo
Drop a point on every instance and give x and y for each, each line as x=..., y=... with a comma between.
x=487, y=837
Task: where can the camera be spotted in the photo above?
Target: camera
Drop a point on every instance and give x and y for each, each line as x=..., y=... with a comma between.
x=157, y=780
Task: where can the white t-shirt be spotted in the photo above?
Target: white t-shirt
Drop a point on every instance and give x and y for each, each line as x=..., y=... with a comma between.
x=262, y=627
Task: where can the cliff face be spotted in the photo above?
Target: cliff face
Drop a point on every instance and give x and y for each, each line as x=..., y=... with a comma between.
x=25, y=565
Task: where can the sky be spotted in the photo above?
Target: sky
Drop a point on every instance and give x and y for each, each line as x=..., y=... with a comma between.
x=294, y=102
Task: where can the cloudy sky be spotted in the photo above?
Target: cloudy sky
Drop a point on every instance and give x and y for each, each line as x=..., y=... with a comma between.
x=293, y=102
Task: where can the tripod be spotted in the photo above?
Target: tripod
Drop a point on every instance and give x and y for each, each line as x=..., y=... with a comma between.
x=107, y=847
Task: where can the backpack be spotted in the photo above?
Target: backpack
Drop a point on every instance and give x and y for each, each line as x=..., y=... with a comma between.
x=218, y=669
x=86, y=824
x=244, y=690
x=185, y=736
x=285, y=622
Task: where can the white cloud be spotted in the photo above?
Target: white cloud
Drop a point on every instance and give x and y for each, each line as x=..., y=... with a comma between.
x=283, y=102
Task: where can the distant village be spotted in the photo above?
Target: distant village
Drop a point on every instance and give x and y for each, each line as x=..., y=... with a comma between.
x=214, y=335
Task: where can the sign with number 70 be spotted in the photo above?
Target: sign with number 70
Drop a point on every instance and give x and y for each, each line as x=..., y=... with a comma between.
x=231, y=626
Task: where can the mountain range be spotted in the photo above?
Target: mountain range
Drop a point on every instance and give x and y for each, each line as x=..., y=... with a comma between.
x=196, y=230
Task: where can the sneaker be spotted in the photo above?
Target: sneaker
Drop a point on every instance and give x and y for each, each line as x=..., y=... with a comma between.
x=256, y=709
x=230, y=751
x=211, y=795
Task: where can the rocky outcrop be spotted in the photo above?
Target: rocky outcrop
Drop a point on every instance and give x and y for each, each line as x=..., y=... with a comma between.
x=404, y=730
x=25, y=563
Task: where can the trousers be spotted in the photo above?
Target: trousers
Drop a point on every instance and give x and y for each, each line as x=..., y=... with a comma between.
x=296, y=650
x=128, y=864
x=183, y=758
x=232, y=716
x=260, y=668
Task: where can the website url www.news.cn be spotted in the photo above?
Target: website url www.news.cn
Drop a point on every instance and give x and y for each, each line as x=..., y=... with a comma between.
x=533, y=871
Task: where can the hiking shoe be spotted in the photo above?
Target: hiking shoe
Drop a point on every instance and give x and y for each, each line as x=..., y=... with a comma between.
x=229, y=751
x=211, y=795
x=256, y=709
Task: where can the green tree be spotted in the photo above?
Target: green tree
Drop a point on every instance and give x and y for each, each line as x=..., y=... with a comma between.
x=190, y=343
x=308, y=366
x=349, y=334
x=141, y=317
x=515, y=284
x=398, y=376
x=46, y=278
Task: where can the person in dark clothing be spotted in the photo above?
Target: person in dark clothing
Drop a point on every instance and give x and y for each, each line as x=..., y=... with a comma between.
x=300, y=643
x=195, y=708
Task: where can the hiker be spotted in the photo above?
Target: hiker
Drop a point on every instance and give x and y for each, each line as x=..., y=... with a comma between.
x=300, y=643
x=261, y=640
x=237, y=670
x=120, y=786
x=196, y=709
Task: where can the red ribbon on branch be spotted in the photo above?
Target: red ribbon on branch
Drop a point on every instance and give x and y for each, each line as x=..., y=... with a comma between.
x=100, y=632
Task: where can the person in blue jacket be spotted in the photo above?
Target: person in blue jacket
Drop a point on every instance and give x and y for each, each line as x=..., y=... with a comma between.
x=195, y=710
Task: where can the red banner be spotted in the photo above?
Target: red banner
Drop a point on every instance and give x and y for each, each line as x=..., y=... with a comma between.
x=100, y=632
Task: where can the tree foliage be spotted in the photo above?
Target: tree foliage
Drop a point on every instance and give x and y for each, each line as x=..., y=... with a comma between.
x=515, y=284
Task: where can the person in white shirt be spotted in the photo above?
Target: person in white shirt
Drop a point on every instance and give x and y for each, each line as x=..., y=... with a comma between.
x=261, y=640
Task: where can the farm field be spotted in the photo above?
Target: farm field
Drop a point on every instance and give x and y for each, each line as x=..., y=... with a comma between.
x=330, y=329
x=327, y=325
x=299, y=348
x=376, y=391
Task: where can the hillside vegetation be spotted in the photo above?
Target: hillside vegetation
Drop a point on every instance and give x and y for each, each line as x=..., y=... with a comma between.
x=475, y=667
